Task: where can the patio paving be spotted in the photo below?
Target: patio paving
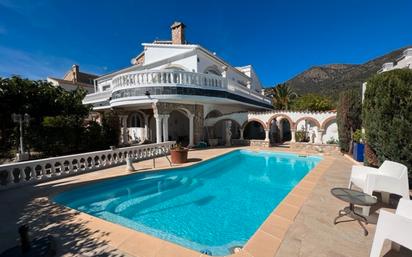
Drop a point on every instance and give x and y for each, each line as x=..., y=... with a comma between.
x=311, y=234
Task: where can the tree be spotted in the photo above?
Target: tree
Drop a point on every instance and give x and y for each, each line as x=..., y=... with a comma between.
x=348, y=117
x=312, y=102
x=282, y=96
x=387, y=116
x=111, y=128
x=57, y=119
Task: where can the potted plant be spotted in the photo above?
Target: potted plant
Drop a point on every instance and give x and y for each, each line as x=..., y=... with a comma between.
x=179, y=153
x=358, y=146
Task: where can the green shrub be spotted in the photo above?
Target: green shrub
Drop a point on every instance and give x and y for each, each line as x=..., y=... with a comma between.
x=348, y=117
x=387, y=116
x=332, y=141
x=358, y=136
x=301, y=136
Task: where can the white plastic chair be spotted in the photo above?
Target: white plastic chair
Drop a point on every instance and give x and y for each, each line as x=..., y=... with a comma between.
x=390, y=177
x=395, y=227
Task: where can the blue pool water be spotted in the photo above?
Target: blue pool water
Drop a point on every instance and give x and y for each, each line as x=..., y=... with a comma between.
x=212, y=206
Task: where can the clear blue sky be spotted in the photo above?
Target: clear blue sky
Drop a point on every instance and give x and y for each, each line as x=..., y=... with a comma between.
x=279, y=38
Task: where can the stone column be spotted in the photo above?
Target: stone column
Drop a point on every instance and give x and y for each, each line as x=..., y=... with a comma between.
x=121, y=129
x=318, y=138
x=146, y=127
x=124, y=137
x=228, y=125
x=158, y=128
x=280, y=128
x=266, y=134
x=241, y=133
x=293, y=134
x=166, y=127
x=191, y=128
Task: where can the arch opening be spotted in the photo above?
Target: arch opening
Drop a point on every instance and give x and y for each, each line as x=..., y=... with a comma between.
x=178, y=127
x=280, y=130
x=223, y=131
x=306, y=129
x=213, y=114
x=254, y=130
x=135, y=127
x=213, y=70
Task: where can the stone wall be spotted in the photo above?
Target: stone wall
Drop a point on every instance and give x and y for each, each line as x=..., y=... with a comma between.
x=251, y=142
x=321, y=148
x=198, y=129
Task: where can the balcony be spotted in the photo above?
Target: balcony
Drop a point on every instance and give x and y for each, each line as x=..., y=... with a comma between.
x=172, y=82
x=101, y=96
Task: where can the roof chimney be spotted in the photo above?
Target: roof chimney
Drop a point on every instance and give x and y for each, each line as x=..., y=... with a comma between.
x=178, y=33
x=75, y=72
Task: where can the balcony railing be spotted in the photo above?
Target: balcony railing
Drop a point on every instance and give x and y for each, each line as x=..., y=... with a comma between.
x=97, y=97
x=168, y=77
x=183, y=79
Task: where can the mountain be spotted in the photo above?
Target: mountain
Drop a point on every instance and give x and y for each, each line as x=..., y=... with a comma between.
x=331, y=79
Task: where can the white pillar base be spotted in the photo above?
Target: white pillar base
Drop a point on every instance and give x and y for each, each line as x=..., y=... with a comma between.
x=293, y=134
x=267, y=135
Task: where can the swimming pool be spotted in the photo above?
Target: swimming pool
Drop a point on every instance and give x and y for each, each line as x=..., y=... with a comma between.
x=213, y=205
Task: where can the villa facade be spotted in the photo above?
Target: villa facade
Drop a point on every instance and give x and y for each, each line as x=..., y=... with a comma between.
x=173, y=88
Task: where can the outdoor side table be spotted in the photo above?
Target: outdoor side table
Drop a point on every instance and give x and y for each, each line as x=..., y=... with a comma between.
x=353, y=197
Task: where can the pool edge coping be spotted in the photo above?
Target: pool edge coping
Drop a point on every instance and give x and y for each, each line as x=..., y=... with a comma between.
x=264, y=242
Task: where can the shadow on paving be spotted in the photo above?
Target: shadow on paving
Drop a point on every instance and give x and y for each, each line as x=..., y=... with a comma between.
x=30, y=205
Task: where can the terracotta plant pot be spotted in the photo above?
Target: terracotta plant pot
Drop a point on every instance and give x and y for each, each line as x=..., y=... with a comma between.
x=179, y=155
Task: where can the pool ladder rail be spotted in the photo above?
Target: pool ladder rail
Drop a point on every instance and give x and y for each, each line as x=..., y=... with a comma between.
x=162, y=149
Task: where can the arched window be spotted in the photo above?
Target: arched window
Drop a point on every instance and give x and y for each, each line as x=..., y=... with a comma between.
x=213, y=70
x=135, y=121
x=176, y=68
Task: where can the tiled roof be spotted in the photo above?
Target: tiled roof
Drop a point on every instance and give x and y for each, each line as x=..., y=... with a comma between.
x=86, y=78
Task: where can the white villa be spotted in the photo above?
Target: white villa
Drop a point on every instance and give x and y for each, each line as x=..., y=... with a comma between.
x=403, y=62
x=173, y=88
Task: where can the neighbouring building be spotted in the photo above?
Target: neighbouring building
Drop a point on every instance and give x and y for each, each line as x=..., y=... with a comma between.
x=75, y=78
x=403, y=62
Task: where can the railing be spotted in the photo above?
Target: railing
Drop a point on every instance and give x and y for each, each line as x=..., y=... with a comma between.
x=239, y=89
x=167, y=77
x=183, y=78
x=97, y=97
x=28, y=172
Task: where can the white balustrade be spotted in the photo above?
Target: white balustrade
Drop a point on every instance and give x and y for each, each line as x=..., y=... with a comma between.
x=168, y=77
x=35, y=171
x=183, y=78
x=98, y=96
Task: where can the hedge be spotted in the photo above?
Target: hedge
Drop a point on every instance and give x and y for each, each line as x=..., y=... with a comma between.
x=387, y=116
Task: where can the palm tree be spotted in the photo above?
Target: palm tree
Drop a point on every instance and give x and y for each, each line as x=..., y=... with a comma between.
x=282, y=96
